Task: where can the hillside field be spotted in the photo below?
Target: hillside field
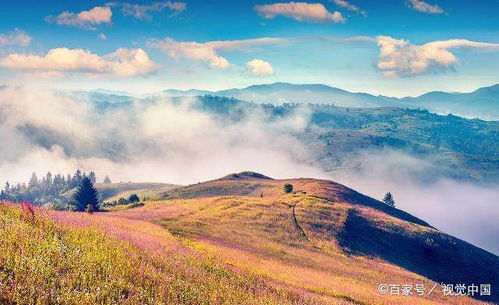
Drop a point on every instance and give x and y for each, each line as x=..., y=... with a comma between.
x=235, y=240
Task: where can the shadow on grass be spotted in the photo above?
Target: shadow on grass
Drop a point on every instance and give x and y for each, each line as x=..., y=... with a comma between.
x=434, y=255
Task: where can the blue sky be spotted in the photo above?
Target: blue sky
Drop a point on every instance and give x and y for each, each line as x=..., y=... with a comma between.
x=342, y=48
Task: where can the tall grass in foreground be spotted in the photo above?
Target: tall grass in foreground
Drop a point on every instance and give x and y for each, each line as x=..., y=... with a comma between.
x=42, y=262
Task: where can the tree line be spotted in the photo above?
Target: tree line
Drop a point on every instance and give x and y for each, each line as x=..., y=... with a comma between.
x=47, y=189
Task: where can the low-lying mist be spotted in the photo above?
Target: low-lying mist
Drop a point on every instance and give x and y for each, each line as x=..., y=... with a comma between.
x=166, y=141
x=463, y=209
x=155, y=141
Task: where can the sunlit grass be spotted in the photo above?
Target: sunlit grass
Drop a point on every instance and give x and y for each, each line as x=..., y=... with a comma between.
x=43, y=262
x=205, y=247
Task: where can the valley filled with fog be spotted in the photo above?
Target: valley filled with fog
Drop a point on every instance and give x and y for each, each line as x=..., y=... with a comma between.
x=185, y=140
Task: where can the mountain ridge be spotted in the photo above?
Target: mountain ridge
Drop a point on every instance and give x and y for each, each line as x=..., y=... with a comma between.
x=325, y=218
x=480, y=103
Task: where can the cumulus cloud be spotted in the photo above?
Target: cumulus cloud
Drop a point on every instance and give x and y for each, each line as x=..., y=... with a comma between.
x=142, y=12
x=84, y=19
x=15, y=37
x=425, y=7
x=398, y=57
x=259, y=67
x=300, y=11
x=122, y=63
x=347, y=5
x=208, y=52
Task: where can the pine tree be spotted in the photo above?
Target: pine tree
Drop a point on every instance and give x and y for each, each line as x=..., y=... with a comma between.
x=107, y=180
x=92, y=177
x=77, y=178
x=388, y=200
x=68, y=182
x=33, y=181
x=85, y=195
x=48, y=180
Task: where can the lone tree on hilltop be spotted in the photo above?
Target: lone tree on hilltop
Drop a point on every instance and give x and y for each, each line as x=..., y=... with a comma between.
x=287, y=188
x=107, y=180
x=388, y=200
x=86, y=195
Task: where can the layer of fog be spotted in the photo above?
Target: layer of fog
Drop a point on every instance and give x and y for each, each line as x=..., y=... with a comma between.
x=465, y=210
x=43, y=131
x=161, y=141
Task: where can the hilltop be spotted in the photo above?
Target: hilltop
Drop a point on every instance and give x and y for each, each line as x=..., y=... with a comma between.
x=239, y=239
x=323, y=229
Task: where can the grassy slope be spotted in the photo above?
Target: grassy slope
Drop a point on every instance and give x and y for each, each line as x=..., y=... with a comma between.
x=325, y=244
x=326, y=231
x=87, y=259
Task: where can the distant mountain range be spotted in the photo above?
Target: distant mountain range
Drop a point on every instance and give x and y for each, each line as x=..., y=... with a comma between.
x=482, y=103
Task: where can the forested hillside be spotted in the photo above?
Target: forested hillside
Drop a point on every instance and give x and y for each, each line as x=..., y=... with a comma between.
x=463, y=149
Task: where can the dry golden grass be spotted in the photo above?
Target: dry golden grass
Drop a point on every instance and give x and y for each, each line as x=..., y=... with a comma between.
x=294, y=239
x=219, y=242
x=88, y=259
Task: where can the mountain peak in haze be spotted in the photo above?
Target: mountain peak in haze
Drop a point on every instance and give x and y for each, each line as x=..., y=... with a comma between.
x=481, y=103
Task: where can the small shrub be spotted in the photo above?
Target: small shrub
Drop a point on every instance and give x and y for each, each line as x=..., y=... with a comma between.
x=122, y=201
x=135, y=205
x=89, y=209
x=133, y=198
x=288, y=188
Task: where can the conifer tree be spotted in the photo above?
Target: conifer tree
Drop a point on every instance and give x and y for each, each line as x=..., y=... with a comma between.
x=85, y=195
x=92, y=177
x=33, y=181
x=388, y=200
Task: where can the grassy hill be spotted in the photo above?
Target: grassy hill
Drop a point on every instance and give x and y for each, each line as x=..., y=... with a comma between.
x=237, y=240
x=324, y=218
x=69, y=258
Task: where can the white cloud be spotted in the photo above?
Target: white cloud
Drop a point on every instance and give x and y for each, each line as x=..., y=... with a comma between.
x=84, y=19
x=142, y=11
x=300, y=11
x=349, y=6
x=15, y=37
x=102, y=36
x=425, y=7
x=122, y=63
x=208, y=52
x=259, y=67
x=161, y=140
x=398, y=57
